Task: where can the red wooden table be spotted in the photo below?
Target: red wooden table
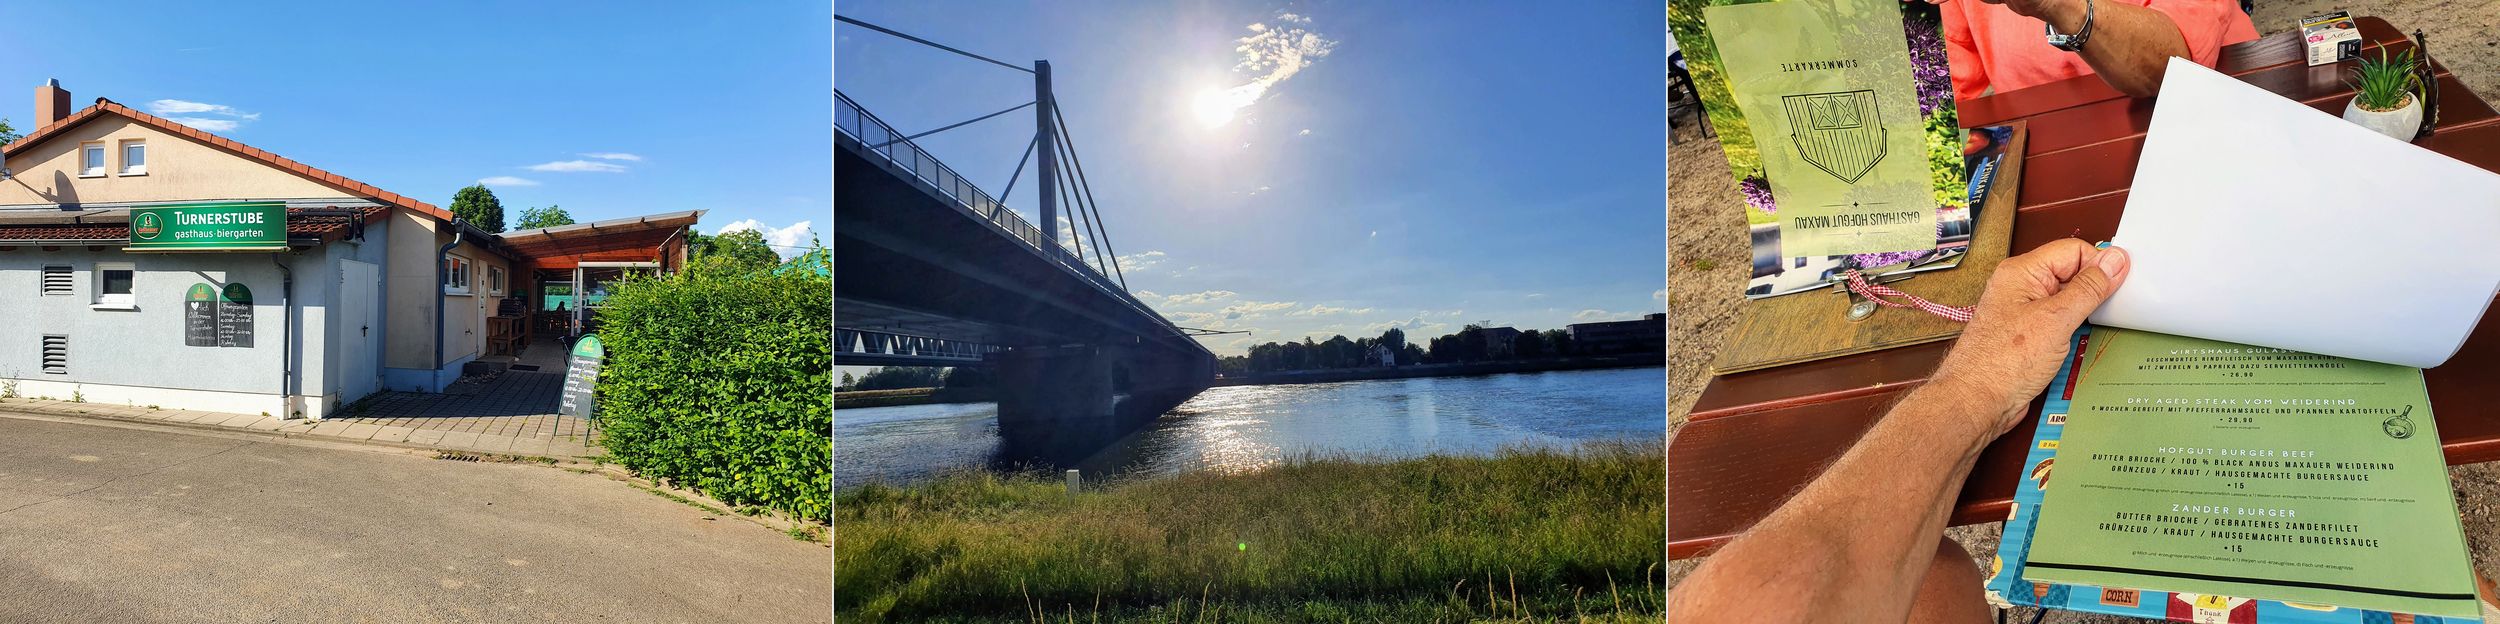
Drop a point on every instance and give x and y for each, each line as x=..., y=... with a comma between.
x=1756, y=437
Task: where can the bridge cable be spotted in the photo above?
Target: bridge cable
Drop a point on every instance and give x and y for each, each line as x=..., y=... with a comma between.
x=1089, y=193
x=951, y=127
x=926, y=42
x=1073, y=233
x=1090, y=222
x=1028, y=154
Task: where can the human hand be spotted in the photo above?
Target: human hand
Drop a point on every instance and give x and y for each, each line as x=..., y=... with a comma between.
x=2018, y=337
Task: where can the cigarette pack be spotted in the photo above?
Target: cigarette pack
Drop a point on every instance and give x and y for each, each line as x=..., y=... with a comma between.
x=2331, y=37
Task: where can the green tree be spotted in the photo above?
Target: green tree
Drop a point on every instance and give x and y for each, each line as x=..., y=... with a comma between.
x=1558, y=342
x=899, y=377
x=1529, y=344
x=551, y=216
x=742, y=248
x=847, y=382
x=7, y=134
x=479, y=207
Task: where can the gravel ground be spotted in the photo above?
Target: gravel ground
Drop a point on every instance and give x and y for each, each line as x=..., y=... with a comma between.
x=1706, y=255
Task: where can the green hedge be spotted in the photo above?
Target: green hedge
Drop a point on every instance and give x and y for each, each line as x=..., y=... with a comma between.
x=718, y=379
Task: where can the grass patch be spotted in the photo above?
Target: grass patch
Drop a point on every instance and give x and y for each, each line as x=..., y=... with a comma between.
x=805, y=532
x=1524, y=535
x=681, y=499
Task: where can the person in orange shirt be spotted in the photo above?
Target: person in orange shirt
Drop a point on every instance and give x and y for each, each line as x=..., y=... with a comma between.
x=2003, y=45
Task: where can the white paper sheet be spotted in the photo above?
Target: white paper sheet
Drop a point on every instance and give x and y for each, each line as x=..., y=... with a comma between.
x=2258, y=220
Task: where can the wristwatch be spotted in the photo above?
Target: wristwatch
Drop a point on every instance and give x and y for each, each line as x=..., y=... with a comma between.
x=2073, y=42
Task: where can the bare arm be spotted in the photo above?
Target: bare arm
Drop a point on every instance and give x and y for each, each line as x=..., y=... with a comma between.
x=1860, y=536
x=2130, y=45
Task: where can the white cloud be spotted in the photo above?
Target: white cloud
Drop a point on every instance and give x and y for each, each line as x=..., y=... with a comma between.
x=787, y=241
x=1306, y=132
x=202, y=115
x=204, y=123
x=614, y=156
x=577, y=166
x=1145, y=294
x=1660, y=294
x=1593, y=315
x=507, y=181
x=1317, y=309
x=1196, y=298
x=1254, y=309
x=183, y=107
x=1536, y=295
x=1271, y=54
x=1417, y=329
x=1141, y=261
x=1375, y=234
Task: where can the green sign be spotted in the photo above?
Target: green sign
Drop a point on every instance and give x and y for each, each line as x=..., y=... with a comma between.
x=220, y=226
x=199, y=316
x=234, y=317
x=1827, y=90
x=581, y=377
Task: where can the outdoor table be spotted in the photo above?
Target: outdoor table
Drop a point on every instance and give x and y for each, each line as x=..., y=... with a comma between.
x=1755, y=438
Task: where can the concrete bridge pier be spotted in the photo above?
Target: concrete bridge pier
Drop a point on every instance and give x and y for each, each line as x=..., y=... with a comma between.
x=1064, y=405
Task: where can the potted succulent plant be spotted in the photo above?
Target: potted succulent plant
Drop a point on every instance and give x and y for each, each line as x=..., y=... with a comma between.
x=2385, y=100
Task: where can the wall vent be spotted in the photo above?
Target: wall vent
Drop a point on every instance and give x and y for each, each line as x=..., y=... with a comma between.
x=58, y=280
x=56, y=354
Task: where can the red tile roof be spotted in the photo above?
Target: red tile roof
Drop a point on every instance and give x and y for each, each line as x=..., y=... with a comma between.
x=343, y=183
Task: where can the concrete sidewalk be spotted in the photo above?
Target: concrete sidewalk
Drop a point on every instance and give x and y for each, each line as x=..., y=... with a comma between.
x=128, y=522
x=576, y=446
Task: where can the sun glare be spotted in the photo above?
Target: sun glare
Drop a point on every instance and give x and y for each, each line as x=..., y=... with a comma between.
x=1214, y=107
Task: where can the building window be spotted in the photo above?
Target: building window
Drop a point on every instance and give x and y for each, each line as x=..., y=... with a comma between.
x=58, y=280
x=91, y=159
x=134, y=157
x=112, y=286
x=455, y=275
x=494, y=280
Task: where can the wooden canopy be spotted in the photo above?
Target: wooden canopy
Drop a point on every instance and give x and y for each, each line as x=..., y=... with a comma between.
x=652, y=238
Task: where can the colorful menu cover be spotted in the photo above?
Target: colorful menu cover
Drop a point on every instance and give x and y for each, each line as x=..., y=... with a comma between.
x=1837, y=120
x=2219, y=477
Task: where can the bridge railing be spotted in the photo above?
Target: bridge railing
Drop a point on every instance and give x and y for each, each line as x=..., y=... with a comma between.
x=849, y=118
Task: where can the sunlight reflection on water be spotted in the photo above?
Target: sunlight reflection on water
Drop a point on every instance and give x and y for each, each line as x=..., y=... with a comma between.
x=1250, y=427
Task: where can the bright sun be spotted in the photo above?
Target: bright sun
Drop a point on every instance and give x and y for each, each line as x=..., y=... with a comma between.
x=1214, y=107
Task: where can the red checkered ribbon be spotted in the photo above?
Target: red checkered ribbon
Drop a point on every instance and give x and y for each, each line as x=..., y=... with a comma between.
x=1878, y=293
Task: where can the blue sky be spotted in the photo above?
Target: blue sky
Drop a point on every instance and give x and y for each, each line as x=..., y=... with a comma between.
x=1313, y=168
x=607, y=109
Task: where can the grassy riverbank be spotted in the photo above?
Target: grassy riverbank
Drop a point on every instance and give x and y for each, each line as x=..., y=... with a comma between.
x=1526, y=535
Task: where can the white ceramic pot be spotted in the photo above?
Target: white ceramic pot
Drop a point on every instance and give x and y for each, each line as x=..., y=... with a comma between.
x=2400, y=124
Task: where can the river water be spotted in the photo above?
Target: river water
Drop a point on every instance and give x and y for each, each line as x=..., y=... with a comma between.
x=1248, y=427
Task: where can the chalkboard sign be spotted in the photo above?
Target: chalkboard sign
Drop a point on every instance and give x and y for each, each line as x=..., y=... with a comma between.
x=234, y=317
x=199, y=316
x=581, y=377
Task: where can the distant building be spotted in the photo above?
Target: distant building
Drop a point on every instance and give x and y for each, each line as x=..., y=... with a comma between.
x=1648, y=335
x=1381, y=355
x=1500, y=342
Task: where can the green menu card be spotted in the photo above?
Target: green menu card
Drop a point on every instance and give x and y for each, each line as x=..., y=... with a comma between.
x=2206, y=467
x=1827, y=91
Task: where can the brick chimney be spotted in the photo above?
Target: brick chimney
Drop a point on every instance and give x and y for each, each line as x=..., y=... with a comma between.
x=51, y=104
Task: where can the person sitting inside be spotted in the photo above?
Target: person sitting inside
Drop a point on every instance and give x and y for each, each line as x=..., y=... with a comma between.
x=2003, y=45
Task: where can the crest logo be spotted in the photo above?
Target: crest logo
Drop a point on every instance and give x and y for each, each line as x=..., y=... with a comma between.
x=147, y=226
x=1840, y=132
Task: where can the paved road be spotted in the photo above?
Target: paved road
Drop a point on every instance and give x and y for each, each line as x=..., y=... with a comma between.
x=125, y=523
